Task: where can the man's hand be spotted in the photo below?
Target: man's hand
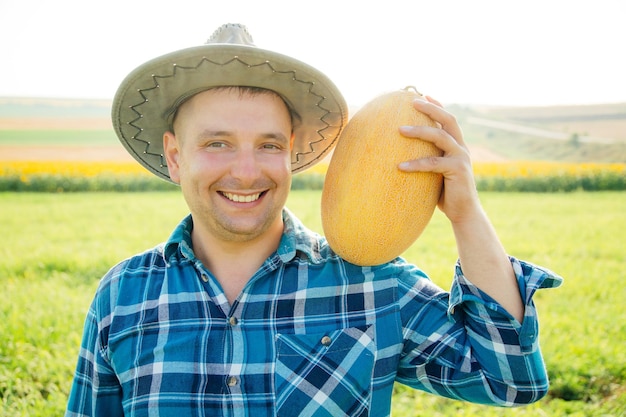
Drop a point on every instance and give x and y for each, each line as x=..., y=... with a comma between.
x=459, y=200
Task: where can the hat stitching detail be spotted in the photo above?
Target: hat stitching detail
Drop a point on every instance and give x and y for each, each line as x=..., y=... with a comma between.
x=146, y=150
x=176, y=68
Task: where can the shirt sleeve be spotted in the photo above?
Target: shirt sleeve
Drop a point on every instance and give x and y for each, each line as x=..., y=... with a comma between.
x=465, y=345
x=95, y=390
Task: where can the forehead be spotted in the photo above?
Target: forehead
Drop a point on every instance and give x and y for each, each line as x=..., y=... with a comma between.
x=230, y=102
x=229, y=113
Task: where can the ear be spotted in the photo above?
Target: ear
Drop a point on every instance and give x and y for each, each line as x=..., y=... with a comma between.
x=291, y=140
x=171, y=151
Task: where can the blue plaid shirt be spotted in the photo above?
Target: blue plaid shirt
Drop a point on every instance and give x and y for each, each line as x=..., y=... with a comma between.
x=310, y=335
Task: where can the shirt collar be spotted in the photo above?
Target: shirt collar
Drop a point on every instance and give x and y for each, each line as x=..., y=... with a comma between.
x=296, y=239
x=180, y=238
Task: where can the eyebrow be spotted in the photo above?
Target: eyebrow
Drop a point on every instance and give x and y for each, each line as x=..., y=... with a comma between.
x=207, y=134
x=213, y=133
x=277, y=135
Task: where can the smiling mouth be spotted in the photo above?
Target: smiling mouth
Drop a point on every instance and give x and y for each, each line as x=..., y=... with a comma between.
x=241, y=198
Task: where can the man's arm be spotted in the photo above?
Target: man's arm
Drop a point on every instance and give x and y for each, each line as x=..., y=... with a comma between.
x=465, y=346
x=95, y=390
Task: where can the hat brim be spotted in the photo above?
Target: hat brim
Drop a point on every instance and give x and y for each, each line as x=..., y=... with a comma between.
x=148, y=98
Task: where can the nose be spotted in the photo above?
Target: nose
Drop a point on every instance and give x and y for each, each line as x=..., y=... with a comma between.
x=245, y=166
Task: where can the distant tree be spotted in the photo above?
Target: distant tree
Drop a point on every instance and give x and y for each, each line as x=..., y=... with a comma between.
x=574, y=139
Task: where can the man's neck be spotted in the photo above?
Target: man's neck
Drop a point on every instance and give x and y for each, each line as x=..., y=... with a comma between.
x=234, y=262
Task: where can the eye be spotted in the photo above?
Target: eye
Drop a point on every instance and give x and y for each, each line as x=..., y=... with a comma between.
x=271, y=146
x=216, y=145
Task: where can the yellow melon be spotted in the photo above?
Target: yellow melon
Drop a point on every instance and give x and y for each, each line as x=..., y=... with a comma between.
x=372, y=211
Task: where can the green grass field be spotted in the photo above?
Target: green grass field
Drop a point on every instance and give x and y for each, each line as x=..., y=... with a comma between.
x=55, y=247
x=61, y=137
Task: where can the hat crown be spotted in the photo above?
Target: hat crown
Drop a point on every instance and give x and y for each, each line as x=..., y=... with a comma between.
x=233, y=33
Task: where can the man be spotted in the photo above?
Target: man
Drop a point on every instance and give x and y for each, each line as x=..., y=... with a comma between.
x=245, y=312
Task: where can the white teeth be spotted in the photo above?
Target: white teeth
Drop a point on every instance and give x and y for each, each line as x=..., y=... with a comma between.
x=238, y=198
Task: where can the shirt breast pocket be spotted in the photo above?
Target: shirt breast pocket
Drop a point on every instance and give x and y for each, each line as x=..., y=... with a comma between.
x=327, y=374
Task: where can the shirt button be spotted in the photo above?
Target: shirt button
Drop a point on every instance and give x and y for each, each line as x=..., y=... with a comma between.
x=326, y=340
x=233, y=321
x=231, y=381
x=204, y=277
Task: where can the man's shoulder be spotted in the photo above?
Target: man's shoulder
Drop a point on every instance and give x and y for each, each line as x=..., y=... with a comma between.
x=150, y=258
x=136, y=266
x=130, y=279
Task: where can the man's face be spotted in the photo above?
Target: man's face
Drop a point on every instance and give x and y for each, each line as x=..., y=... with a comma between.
x=231, y=156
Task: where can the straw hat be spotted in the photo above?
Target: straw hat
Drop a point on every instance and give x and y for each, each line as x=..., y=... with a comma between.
x=147, y=99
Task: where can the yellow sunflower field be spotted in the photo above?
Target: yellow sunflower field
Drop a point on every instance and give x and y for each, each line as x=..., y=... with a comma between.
x=528, y=176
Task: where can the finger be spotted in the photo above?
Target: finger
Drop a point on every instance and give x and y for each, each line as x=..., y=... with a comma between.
x=450, y=167
x=440, y=165
x=435, y=111
x=438, y=137
x=432, y=100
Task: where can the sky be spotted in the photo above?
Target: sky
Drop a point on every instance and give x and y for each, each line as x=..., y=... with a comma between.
x=493, y=52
